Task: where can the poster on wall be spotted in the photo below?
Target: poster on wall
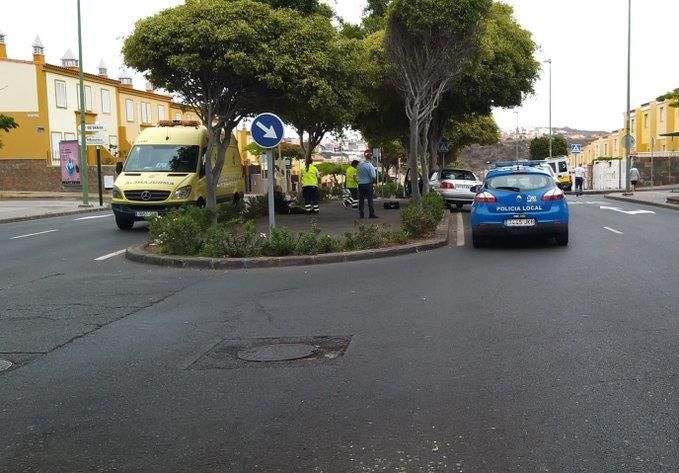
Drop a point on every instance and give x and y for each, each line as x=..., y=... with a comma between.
x=69, y=154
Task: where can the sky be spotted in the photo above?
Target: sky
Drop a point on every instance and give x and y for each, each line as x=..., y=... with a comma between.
x=585, y=39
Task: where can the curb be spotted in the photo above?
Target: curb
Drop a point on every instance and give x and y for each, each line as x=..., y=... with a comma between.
x=643, y=202
x=140, y=254
x=56, y=214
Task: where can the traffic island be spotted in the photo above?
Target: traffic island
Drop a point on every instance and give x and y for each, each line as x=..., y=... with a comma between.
x=143, y=254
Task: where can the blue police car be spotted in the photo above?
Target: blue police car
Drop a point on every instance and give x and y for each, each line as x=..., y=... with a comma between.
x=519, y=199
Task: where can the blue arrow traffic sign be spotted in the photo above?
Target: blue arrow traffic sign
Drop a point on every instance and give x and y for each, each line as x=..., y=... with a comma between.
x=267, y=130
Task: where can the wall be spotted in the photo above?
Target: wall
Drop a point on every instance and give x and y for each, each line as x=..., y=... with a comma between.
x=129, y=130
x=20, y=98
x=34, y=175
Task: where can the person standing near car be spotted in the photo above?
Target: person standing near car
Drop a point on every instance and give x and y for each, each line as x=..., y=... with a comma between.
x=366, y=175
x=351, y=197
x=310, y=192
x=634, y=177
x=579, y=173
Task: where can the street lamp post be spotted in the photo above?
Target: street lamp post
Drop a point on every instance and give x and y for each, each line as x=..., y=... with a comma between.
x=516, y=151
x=550, y=109
x=84, y=178
x=628, y=141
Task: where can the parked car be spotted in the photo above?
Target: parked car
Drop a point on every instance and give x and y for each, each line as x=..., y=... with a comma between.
x=559, y=165
x=455, y=185
x=519, y=200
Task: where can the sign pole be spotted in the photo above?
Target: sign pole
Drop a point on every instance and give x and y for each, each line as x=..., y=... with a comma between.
x=272, y=207
x=84, y=179
x=101, y=195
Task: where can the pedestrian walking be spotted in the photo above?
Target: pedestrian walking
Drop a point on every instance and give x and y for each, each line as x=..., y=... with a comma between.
x=351, y=183
x=310, y=191
x=366, y=175
x=579, y=173
x=634, y=177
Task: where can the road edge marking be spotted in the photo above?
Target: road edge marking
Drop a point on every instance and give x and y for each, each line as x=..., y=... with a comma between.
x=618, y=232
x=92, y=217
x=110, y=255
x=33, y=234
x=460, y=230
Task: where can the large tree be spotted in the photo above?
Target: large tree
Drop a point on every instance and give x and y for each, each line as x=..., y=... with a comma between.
x=473, y=129
x=428, y=43
x=7, y=124
x=214, y=55
x=539, y=147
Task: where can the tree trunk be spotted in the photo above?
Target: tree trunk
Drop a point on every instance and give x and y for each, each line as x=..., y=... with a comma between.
x=219, y=139
x=424, y=160
x=413, y=148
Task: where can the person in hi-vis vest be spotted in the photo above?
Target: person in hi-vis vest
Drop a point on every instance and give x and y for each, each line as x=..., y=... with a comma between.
x=310, y=192
x=351, y=194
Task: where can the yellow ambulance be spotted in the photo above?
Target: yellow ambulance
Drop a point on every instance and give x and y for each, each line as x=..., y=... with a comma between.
x=166, y=168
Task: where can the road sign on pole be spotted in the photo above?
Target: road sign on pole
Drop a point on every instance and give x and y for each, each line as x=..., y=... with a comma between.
x=444, y=146
x=576, y=148
x=267, y=131
x=96, y=140
x=94, y=127
x=628, y=142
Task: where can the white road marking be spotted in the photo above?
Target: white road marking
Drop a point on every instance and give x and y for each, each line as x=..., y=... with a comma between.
x=460, y=230
x=628, y=212
x=110, y=255
x=614, y=230
x=579, y=202
x=93, y=217
x=33, y=234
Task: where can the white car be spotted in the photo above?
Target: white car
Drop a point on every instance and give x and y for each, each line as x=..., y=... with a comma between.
x=454, y=185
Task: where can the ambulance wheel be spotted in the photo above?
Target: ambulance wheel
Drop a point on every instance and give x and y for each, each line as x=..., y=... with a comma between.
x=124, y=222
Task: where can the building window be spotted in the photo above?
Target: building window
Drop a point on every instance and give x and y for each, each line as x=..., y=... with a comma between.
x=105, y=101
x=129, y=110
x=69, y=136
x=55, y=137
x=661, y=114
x=145, y=112
x=177, y=116
x=645, y=120
x=161, y=112
x=88, y=97
x=60, y=91
x=632, y=125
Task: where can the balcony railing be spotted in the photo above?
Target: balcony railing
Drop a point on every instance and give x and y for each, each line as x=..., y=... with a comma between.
x=658, y=154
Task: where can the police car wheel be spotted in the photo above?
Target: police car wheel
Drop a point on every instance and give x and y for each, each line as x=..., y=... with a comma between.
x=477, y=241
x=562, y=239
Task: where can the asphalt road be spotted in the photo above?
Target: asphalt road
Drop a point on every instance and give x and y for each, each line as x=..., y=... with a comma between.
x=514, y=358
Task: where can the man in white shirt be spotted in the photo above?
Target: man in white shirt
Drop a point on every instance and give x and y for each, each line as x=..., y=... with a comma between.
x=579, y=173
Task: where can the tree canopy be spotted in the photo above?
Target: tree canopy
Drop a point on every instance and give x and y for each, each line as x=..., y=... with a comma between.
x=539, y=147
x=7, y=124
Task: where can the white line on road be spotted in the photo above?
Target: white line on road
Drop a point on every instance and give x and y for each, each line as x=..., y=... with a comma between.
x=110, y=255
x=628, y=212
x=33, y=234
x=614, y=230
x=93, y=217
x=460, y=230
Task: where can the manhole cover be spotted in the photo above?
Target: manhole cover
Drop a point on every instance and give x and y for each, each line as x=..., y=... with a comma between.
x=279, y=352
x=4, y=364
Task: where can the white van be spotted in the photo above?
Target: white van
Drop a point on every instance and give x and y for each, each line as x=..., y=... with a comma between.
x=559, y=165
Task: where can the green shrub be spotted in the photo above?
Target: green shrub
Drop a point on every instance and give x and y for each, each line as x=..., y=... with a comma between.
x=282, y=242
x=434, y=204
x=328, y=244
x=180, y=231
x=349, y=243
x=417, y=220
x=369, y=237
x=391, y=189
x=397, y=236
x=308, y=240
x=257, y=206
x=234, y=239
x=230, y=211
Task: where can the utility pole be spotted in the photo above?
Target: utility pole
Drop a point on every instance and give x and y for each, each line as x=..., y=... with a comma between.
x=627, y=139
x=516, y=151
x=84, y=178
x=550, y=109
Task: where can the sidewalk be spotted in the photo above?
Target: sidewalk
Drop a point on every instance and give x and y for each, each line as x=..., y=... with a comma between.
x=335, y=220
x=657, y=198
x=20, y=210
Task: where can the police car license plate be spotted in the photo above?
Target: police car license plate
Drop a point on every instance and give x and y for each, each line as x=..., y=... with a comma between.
x=145, y=214
x=520, y=222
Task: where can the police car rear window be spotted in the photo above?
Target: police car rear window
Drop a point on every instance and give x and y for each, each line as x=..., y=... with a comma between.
x=522, y=182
